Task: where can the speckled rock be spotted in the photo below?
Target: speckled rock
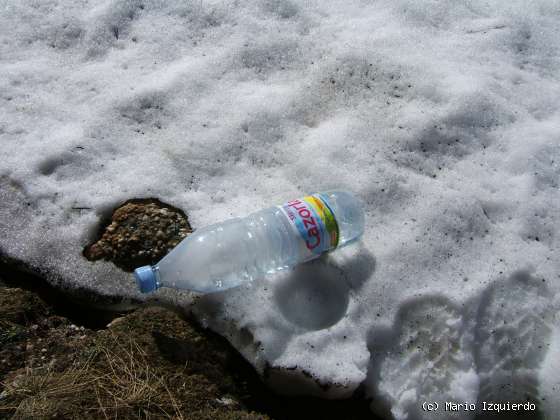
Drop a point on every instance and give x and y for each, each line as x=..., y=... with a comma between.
x=141, y=232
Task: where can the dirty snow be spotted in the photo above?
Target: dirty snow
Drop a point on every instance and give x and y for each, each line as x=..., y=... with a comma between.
x=443, y=116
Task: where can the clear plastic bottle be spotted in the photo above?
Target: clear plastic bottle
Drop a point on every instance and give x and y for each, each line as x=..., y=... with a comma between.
x=226, y=254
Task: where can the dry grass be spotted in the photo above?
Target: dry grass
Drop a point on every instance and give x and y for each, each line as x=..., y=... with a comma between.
x=37, y=392
x=114, y=381
x=131, y=384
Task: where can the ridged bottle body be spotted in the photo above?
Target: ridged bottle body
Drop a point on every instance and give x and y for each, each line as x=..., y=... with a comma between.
x=227, y=254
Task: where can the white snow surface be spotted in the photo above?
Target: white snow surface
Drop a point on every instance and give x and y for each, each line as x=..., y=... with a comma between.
x=443, y=116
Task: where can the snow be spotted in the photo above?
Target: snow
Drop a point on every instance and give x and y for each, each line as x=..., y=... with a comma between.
x=443, y=116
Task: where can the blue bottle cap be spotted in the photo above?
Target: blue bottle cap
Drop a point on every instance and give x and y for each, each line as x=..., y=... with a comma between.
x=146, y=279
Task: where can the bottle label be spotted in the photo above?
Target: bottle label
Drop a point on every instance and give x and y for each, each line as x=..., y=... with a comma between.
x=314, y=221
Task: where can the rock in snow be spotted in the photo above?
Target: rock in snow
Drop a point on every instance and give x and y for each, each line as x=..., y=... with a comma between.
x=442, y=116
x=140, y=233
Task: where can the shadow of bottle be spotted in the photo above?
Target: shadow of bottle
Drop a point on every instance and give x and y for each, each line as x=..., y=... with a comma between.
x=315, y=295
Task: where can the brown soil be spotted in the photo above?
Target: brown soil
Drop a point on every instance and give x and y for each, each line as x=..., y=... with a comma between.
x=148, y=364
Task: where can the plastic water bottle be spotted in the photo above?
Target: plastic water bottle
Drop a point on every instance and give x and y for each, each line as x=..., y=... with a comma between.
x=226, y=254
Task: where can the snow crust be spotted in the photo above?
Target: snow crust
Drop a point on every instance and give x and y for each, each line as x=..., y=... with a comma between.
x=443, y=116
